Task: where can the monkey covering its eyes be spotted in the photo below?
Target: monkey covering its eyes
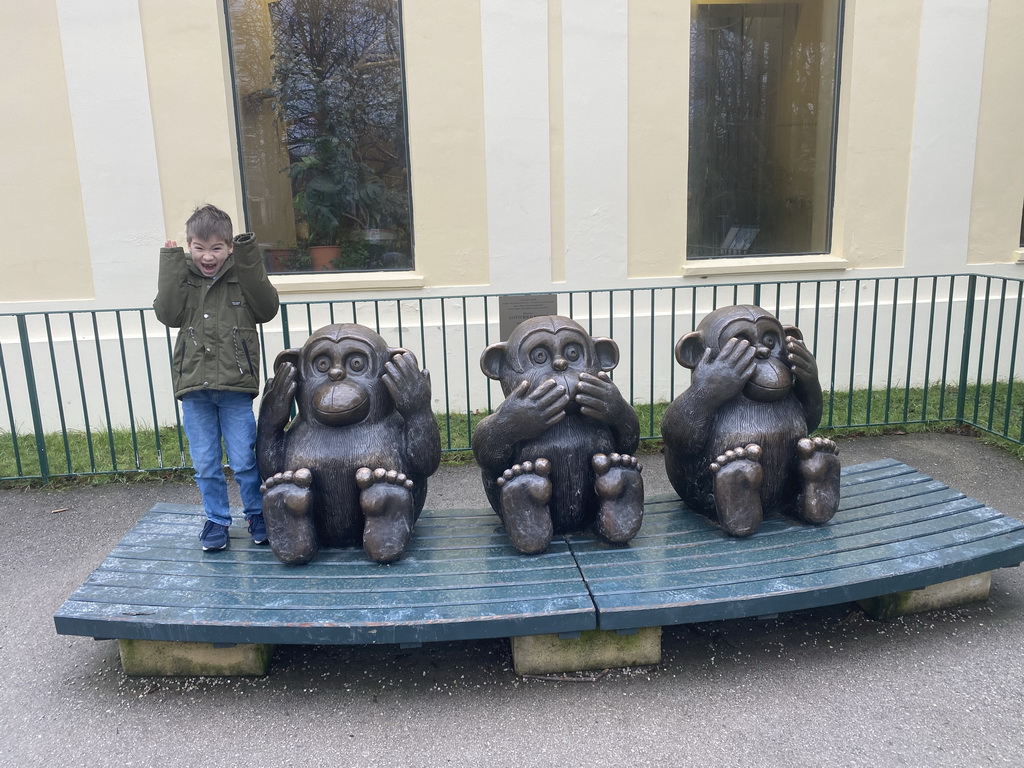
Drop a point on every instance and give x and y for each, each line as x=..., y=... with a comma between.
x=736, y=441
x=352, y=467
x=556, y=454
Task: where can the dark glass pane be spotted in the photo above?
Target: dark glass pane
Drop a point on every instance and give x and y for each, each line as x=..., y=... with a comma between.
x=321, y=114
x=762, y=128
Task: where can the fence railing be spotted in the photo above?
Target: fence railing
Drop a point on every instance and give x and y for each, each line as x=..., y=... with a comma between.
x=89, y=392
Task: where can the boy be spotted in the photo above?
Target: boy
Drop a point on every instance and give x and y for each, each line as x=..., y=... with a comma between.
x=216, y=295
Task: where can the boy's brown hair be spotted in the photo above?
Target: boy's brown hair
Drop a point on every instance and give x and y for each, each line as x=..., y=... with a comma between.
x=208, y=222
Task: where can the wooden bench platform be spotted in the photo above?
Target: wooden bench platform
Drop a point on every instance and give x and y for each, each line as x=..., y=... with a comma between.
x=459, y=580
x=897, y=529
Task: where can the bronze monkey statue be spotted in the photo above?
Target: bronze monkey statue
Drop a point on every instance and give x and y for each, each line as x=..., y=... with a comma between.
x=556, y=455
x=352, y=467
x=736, y=441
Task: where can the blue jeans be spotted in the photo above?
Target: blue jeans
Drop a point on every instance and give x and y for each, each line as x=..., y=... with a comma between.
x=209, y=415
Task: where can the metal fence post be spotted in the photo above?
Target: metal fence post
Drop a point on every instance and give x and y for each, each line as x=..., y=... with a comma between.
x=965, y=348
x=33, y=399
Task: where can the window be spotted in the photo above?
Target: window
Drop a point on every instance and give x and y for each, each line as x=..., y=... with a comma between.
x=321, y=116
x=763, y=85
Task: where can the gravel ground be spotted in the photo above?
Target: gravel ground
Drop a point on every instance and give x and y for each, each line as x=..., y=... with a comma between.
x=813, y=688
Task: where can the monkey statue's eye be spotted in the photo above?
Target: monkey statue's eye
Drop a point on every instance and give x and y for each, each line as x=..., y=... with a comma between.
x=768, y=341
x=539, y=356
x=322, y=364
x=357, y=363
x=573, y=352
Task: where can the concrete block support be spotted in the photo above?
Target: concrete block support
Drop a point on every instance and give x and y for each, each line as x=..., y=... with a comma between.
x=182, y=659
x=596, y=649
x=947, y=594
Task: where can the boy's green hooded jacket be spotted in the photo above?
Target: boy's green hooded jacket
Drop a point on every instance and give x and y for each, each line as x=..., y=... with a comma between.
x=217, y=345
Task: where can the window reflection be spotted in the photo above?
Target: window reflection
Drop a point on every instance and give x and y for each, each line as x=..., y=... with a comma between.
x=762, y=127
x=321, y=117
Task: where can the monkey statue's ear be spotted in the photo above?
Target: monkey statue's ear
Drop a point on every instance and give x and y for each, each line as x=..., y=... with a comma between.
x=792, y=330
x=690, y=349
x=607, y=353
x=288, y=356
x=492, y=361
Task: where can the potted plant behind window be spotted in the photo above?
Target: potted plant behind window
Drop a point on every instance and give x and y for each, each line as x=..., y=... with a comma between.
x=278, y=257
x=319, y=202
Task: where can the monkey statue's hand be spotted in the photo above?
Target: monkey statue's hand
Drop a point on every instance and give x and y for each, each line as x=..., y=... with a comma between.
x=275, y=408
x=800, y=360
x=408, y=385
x=599, y=398
x=529, y=413
x=723, y=377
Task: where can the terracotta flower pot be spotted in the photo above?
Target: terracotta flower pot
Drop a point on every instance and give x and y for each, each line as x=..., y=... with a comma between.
x=323, y=255
x=279, y=259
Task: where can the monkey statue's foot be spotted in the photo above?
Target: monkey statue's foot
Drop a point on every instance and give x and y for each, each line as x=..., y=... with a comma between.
x=819, y=467
x=288, y=514
x=525, y=493
x=738, y=476
x=620, y=489
x=385, y=497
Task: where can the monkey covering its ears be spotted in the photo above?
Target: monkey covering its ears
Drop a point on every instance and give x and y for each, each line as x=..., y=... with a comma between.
x=352, y=467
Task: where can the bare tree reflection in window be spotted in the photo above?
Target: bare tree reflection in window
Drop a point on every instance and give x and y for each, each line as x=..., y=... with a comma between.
x=333, y=75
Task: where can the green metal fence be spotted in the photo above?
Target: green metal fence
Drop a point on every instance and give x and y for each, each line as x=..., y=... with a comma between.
x=89, y=392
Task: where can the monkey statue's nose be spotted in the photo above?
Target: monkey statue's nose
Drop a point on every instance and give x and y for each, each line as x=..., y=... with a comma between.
x=762, y=352
x=336, y=374
x=559, y=364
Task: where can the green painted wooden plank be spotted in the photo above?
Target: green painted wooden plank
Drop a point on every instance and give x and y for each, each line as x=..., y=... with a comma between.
x=921, y=538
x=716, y=551
x=194, y=510
x=477, y=587
x=355, y=561
x=802, y=592
x=381, y=577
x=466, y=622
x=422, y=585
x=773, y=533
x=897, y=529
x=683, y=529
x=251, y=593
x=891, y=475
x=169, y=594
x=148, y=534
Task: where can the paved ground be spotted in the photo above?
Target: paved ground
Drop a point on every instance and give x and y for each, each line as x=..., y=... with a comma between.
x=813, y=688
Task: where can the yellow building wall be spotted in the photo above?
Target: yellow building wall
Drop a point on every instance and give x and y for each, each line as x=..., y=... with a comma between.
x=659, y=71
x=444, y=83
x=881, y=41
x=556, y=156
x=193, y=113
x=998, y=194
x=45, y=252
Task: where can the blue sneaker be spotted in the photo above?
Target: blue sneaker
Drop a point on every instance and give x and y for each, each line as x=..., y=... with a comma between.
x=258, y=529
x=214, y=536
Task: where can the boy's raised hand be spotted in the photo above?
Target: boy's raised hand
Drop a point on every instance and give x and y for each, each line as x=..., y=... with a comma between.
x=170, y=244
